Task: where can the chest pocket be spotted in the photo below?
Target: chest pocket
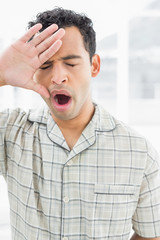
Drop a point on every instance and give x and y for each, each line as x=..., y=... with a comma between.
x=114, y=208
x=114, y=189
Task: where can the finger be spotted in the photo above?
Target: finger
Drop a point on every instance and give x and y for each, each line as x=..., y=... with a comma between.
x=31, y=32
x=49, y=41
x=43, y=35
x=42, y=91
x=50, y=51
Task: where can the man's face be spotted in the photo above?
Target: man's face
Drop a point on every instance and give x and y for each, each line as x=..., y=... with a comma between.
x=67, y=76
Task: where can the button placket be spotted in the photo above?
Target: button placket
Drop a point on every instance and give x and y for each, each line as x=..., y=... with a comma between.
x=66, y=197
x=66, y=200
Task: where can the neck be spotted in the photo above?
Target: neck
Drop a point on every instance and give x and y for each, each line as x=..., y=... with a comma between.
x=72, y=128
x=79, y=122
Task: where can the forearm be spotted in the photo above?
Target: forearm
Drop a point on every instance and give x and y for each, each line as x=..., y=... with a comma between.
x=136, y=237
x=2, y=81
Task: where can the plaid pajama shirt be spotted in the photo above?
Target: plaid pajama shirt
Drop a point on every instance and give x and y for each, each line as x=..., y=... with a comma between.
x=108, y=183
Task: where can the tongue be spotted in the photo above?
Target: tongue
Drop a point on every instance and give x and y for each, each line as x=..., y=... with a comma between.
x=62, y=99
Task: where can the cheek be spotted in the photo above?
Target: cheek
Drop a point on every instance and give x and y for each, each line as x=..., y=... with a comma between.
x=40, y=78
x=84, y=75
x=84, y=88
x=37, y=77
x=85, y=80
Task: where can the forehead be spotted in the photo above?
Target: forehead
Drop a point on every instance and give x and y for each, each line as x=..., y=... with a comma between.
x=72, y=35
x=72, y=43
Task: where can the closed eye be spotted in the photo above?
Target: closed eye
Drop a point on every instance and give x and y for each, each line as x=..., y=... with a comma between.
x=45, y=67
x=70, y=65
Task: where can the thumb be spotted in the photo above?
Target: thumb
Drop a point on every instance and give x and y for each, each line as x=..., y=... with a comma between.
x=38, y=88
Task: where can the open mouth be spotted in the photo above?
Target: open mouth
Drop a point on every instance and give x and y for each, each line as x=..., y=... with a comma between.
x=62, y=99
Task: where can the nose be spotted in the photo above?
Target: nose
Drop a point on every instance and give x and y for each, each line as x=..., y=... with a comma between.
x=59, y=75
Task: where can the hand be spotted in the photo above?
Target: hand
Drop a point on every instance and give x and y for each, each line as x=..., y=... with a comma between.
x=20, y=61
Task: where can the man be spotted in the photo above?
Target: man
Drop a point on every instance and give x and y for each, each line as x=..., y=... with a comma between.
x=73, y=171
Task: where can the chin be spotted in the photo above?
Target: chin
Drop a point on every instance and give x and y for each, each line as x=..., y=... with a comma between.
x=62, y=115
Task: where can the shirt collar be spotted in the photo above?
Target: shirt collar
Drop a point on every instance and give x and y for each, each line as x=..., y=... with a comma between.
x=102, y=120
x=39, y=115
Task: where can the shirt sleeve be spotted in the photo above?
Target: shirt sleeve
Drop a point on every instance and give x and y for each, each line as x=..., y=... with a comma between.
x=10, y=123
x=146, y=219
x=3, y=125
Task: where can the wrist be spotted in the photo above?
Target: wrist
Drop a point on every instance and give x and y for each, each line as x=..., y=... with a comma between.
x=2, y=82
x=2, y=79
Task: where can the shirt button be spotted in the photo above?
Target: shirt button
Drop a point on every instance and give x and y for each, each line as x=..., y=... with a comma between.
x=66, y=199
x=70, y=163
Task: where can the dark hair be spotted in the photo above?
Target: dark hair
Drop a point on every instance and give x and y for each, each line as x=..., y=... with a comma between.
x=67, y=18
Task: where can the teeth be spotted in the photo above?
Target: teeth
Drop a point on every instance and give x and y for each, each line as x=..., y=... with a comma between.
x=56, y=99
x=61, y=99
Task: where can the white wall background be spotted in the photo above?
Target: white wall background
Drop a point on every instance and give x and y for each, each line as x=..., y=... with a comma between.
x=108, y=16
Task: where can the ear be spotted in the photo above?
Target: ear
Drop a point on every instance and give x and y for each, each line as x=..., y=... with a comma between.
x=95, y=65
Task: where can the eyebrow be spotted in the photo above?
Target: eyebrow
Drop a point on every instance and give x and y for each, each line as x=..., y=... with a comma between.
x=68, y=57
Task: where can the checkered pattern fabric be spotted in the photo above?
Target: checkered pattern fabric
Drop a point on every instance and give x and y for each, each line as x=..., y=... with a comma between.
x=108, y=183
